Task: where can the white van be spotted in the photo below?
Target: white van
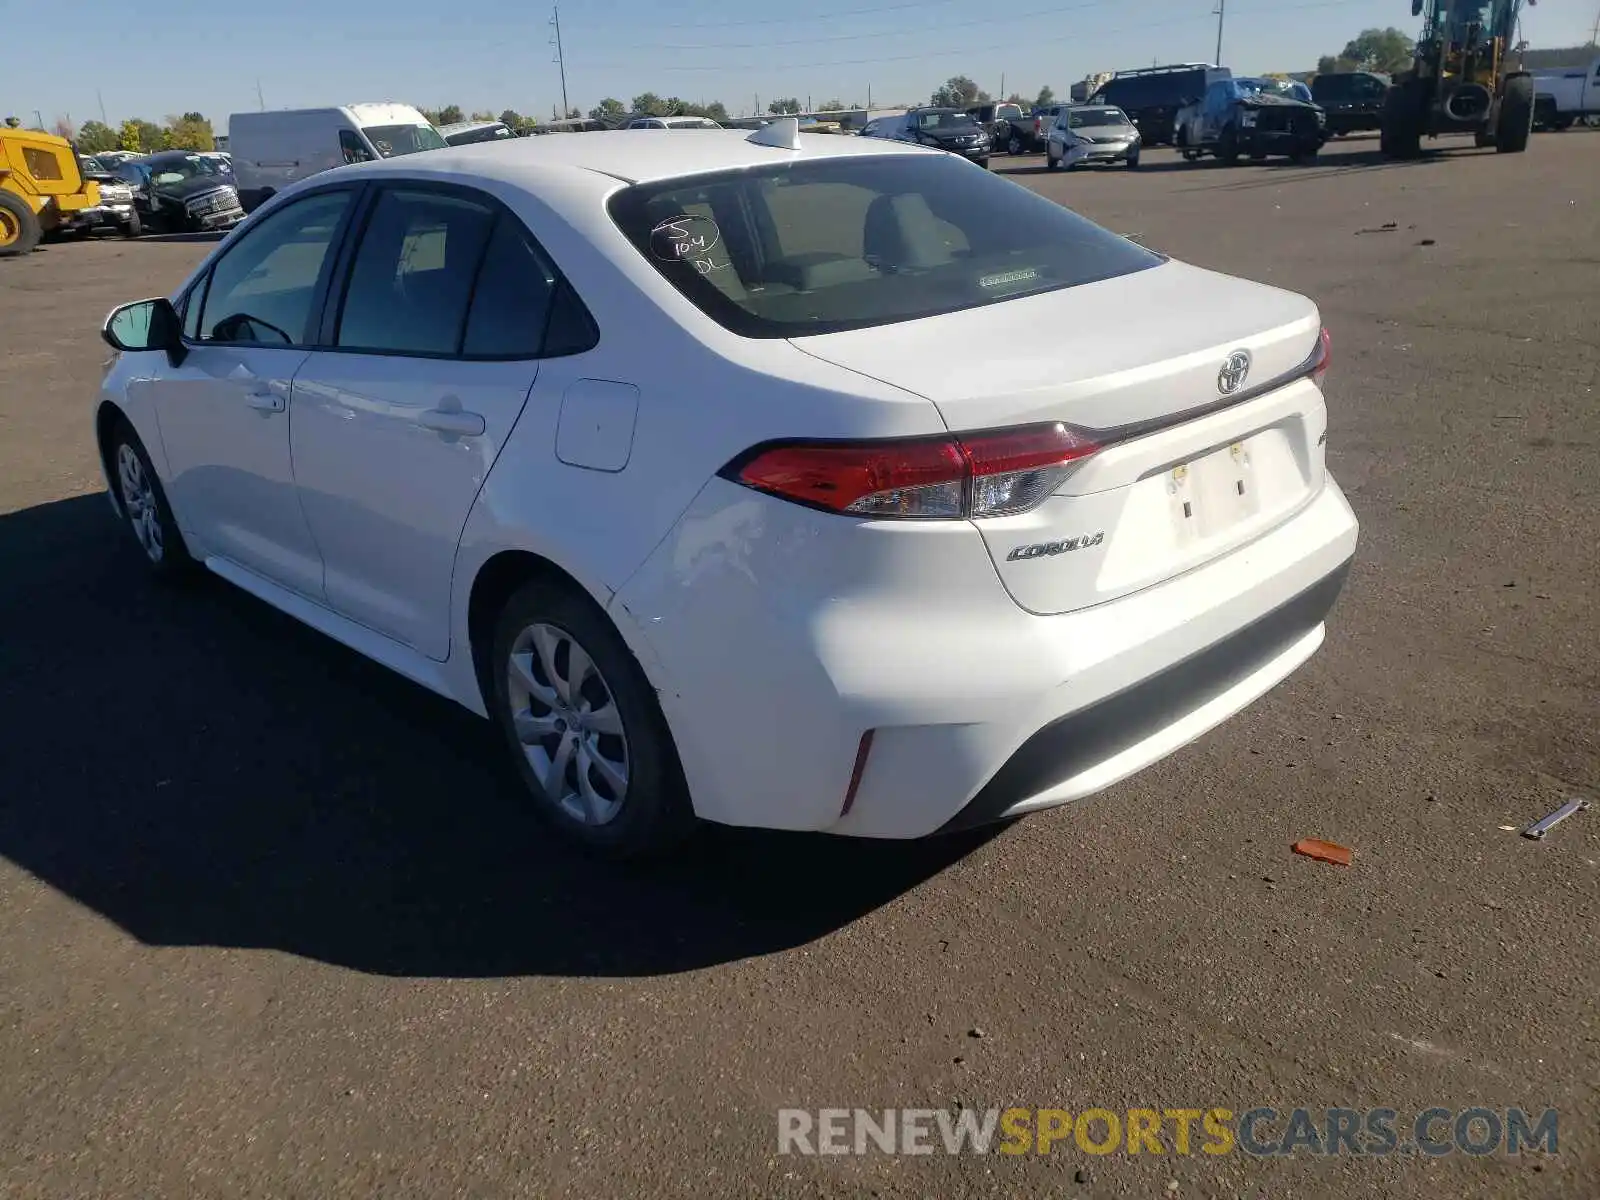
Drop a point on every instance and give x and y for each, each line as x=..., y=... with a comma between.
x=273, y=149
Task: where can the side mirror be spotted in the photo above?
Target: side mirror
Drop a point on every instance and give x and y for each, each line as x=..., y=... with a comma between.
x=1416, y=8
x=146, y=325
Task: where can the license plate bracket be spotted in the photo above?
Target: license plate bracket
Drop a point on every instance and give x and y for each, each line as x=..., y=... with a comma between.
x=1213, y=493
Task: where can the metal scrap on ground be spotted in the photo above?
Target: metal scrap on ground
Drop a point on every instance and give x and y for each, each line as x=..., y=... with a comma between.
x=1544, y=825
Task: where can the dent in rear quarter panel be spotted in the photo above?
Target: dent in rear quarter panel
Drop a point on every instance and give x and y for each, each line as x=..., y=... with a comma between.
x=786, y=633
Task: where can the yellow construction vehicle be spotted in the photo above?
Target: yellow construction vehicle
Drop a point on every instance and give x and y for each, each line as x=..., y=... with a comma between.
x=1461, y=81
x=41, y=188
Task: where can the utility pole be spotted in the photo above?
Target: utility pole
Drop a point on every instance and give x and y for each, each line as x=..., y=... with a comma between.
x=561, y=62
x=261, y=102
x=1222, y=8
x=102, y=102
x=1002, y=94
x=39, y=117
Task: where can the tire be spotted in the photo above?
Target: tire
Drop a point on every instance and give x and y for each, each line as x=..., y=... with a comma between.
x=133, y=228
x=619, y=791
x=1400, y=134
x=1514, y=124
x=1562, y=124
x=1482, y=140
x=144, y=506
x=1228, y=146
x=1050, y=161
x=1014, y=146
x=19, y=226
x=1133, y=161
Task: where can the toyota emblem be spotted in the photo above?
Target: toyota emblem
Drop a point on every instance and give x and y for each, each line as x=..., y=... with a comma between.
x=1231, y=378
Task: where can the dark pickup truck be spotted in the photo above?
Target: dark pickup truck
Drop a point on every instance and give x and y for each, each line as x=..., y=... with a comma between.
x=1254, y=117
x=1353, y=100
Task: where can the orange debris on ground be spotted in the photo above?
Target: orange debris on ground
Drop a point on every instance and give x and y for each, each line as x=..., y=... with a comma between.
x=1330, y=852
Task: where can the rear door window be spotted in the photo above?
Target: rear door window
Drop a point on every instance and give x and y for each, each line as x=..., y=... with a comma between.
x=849, y=243
x=511, y=302
x=413, y=274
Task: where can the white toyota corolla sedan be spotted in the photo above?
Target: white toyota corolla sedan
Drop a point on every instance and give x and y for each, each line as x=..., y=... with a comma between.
x=690, y=464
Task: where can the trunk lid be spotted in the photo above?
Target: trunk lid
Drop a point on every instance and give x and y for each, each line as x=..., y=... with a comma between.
x=1189, y=473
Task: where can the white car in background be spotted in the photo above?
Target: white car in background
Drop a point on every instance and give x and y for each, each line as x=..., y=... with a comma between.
x=672, y=123
x=684, y=462
x=269, y=151
x=1092, y=133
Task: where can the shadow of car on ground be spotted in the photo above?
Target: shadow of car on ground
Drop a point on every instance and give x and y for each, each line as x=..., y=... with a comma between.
x=202, y=770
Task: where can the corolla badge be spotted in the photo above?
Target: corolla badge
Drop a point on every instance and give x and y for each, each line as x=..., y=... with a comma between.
x=1232, y=376
x=1064, y=546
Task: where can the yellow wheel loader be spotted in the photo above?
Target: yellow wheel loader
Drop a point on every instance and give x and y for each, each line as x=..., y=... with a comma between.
x=1460, y=81
x=41, y=188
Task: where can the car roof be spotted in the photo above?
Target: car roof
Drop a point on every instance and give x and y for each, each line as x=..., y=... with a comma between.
x=629, y=155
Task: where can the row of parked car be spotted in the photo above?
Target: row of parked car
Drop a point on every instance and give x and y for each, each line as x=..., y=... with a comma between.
x=172, y=191
x=1200, y=108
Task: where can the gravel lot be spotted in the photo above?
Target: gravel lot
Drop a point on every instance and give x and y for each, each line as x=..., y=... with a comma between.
x=272, y=923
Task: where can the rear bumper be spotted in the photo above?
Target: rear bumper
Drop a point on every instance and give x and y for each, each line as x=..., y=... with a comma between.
x=1047, y=768
x=776, y=637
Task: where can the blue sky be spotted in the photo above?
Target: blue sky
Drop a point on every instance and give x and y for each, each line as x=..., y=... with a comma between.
x=208, y=57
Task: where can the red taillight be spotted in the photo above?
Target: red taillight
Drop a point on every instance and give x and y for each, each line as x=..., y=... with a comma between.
x=1038, y=124
x=976, y=475
x=1319, y=363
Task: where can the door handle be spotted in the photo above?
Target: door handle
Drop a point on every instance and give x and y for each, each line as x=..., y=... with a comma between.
x=267, y=402
x=452, y=421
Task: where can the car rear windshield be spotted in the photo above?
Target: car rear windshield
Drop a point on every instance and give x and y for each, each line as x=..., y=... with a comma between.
x=853, y=242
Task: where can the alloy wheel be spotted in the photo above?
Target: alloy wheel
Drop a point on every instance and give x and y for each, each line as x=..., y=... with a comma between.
x=566, y=719
x=139, y=502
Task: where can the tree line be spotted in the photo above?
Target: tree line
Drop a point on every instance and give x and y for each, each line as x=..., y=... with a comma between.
x=1385, y=51
x=191, y=131
x=1389, y=52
